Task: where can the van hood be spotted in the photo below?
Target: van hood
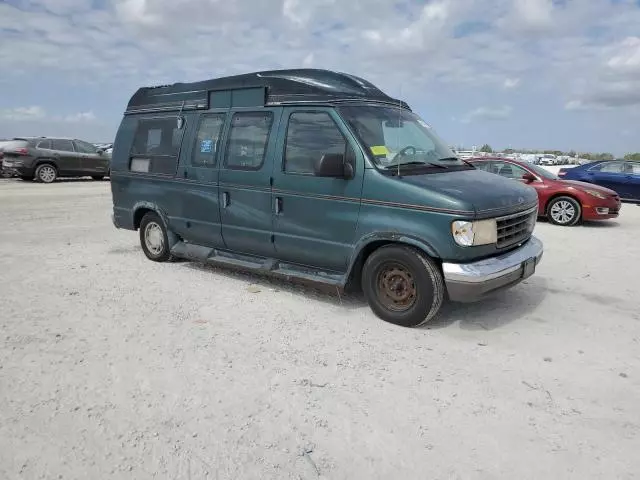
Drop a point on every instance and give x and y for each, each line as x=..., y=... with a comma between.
x=487, y=194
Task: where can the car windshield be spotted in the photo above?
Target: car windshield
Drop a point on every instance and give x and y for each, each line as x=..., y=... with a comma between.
x=396, y=136
x=543, y=172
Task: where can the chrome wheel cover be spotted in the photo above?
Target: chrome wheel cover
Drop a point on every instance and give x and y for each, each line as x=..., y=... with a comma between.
x=563, y=211
x=154, y=238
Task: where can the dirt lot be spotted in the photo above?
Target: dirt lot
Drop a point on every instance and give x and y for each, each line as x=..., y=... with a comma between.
x=112, y=366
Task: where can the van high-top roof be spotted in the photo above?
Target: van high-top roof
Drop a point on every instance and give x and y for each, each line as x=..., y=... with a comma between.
x=272, y=87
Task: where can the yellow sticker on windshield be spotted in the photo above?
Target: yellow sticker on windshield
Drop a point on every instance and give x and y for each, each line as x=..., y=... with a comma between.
x=379, y=150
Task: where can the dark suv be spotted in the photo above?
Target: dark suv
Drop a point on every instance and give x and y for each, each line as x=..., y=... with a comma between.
x=46, y=159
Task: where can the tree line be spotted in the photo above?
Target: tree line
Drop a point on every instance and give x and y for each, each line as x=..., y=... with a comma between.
x=558, y=153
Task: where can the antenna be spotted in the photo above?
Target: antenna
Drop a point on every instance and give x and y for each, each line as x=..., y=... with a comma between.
x=398, y=131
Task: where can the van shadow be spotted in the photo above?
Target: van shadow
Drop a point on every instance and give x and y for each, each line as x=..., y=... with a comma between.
x=496, y=311
x=302, y=288
x=492, y=313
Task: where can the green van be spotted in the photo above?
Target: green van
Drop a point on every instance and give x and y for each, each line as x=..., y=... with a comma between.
x=318, y=175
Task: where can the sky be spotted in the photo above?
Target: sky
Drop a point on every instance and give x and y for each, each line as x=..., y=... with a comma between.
x=538, y=74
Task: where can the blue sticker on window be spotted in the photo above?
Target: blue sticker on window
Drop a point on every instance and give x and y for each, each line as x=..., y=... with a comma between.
x=206, y=146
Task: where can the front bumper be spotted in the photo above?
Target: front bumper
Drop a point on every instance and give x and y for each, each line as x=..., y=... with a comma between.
x=601, y=209
x=469, y=282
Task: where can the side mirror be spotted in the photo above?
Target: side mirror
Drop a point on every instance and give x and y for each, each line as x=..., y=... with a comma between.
x=528, y=177
x=333, y=165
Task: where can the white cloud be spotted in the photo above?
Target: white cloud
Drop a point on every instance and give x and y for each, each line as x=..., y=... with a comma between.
x=628, y=56
x=510, y=83
x=80, y=117
x=615, y=83
x=534, y=13
x=487, y=113
x=580, y=54
x=308, y=60
x=23, y=113
x=37, y=113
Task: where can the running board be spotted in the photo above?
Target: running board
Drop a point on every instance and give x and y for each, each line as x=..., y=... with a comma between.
x=270, y=266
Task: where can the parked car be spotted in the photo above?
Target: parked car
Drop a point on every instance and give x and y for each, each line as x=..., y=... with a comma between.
x=46, y=159
x=563, y=202
x=5, y=172
x=320, y=176
x=619, y=175
x=107, y=147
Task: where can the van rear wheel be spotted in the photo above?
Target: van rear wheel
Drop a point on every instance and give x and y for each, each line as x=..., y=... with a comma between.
x=402, y=285
x=154, y=239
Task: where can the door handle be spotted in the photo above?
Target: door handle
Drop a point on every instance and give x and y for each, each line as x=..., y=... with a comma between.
x=225, y=199
x=184, y=174
x=278, y=205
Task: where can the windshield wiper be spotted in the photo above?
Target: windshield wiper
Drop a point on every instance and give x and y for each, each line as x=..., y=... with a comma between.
x=394, y=169
x=417, y=163
x=450, y=159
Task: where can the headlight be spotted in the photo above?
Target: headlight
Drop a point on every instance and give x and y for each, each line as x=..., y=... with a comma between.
x=595, y=194
x=467, y=234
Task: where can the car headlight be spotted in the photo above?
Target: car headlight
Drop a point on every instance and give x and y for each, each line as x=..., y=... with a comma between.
x=481, y=232
x=595, y=193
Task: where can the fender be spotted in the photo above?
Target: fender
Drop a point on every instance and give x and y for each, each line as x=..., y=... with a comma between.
x=173, y=238
x=149, y=206
x=391, y=237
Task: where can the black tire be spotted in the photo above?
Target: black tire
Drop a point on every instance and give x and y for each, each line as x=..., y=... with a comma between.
x=407, y=273
x=26, y=178
x=46, y=173
x=97, y=177
x=564, y=211
x=152, y=220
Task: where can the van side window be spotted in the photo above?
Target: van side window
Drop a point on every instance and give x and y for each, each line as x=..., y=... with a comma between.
x=248, y=140
x=158, y=141
x=205, y=150
x=310, y=135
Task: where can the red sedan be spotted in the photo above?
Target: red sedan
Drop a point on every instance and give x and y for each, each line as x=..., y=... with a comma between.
x=563, y=202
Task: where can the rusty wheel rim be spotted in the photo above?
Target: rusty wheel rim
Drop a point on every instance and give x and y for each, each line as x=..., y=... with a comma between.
x=396, y=287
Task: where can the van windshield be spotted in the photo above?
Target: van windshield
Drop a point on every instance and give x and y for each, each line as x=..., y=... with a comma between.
x=397, y=137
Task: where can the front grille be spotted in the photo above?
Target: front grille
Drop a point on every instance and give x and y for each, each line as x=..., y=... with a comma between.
x=515, y=228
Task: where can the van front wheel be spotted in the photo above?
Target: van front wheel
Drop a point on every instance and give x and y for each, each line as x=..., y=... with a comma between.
x=154, y=239
x=402, y=285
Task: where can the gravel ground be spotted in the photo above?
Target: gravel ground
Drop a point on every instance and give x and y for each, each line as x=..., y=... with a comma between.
x=112, y=366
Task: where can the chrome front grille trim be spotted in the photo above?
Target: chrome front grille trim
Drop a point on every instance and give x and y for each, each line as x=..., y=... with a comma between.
x=515, y=228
